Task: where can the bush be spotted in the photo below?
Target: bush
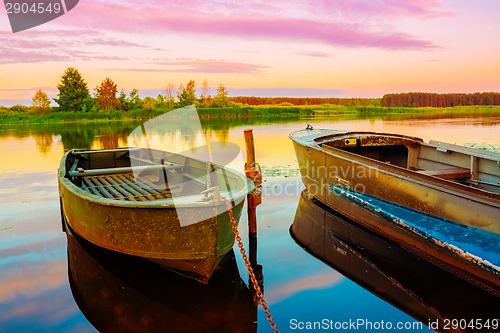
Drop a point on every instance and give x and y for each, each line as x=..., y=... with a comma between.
x=116, y=114
x=137, y=114
x=89, y=104
x=148, y=103
x=19, y=108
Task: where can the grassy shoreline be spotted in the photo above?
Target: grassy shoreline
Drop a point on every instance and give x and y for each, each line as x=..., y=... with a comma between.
x=267, y=112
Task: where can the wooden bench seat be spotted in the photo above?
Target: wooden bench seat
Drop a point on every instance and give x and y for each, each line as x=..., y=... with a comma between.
x=124, y=186
x=454, y=173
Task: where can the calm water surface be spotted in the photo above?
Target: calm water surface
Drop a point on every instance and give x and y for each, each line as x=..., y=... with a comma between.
x=35, y=290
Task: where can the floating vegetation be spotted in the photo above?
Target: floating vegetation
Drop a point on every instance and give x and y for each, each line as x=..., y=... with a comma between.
x=280, y=171
x=483, y=146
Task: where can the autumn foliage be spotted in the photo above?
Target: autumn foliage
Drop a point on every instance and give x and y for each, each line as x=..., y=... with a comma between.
x=40, y=102
x=106, y=95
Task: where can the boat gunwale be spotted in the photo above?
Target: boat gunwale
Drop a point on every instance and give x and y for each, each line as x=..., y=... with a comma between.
x=328, y=138
x=436, y=183
x=181, y=202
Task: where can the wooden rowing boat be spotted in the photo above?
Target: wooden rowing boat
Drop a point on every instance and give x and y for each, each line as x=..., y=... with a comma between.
x=137, y=210
x=438, y=200
x=424, y=291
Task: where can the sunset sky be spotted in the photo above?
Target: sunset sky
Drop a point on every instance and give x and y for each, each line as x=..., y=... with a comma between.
x=359, y=48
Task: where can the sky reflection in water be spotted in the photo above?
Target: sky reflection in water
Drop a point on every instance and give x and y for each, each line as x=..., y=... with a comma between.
x=34, y=289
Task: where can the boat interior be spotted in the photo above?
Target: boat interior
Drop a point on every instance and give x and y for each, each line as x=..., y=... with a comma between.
x=140, y=174
x=467, y=166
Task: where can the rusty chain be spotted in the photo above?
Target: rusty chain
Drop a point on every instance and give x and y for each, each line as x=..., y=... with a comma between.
x=256, y=286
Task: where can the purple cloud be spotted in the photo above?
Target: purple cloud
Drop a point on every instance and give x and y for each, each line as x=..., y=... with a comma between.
x=315, y=54
x=251, y=21
x=387, y=9
x=201, y=66
x=43, y=46
x=215, y=66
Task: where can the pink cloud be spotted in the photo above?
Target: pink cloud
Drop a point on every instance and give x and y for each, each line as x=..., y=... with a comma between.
x=230, y=21
x=214, y=66
x=43, y=46
x=10, y=55
x=200, y=66
x=352, y=23
x=378, y=8
x=315, y=54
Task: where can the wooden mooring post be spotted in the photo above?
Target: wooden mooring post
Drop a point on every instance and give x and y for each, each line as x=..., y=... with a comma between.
x=252, y=171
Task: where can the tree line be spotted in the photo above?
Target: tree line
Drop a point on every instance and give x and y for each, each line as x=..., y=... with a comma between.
x=74, y=95
x=289, y=101
x=421, y=99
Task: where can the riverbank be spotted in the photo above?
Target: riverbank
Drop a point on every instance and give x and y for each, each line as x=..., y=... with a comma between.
x=270, y=112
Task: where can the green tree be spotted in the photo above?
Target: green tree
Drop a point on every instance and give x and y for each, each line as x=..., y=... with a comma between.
x=222, y=98
x=72, y=91
x=187, y=96
x=89, y=104
x=106, y=95
x=135, y=100
x=124, y=101
x=160, y=101
x=40, y=102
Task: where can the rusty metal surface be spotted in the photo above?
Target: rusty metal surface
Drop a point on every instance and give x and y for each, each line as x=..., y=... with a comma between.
x=465, y=267
x=151, y=228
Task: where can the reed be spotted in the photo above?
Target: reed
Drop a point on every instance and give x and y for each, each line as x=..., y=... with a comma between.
x=261, y=112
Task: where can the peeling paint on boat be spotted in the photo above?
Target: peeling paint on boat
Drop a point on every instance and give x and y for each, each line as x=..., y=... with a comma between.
x=459, y=239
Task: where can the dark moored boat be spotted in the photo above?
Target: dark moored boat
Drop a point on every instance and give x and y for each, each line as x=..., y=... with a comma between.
x=122, y=293
x=440, y=201
x=424, y=291
x=166, y=208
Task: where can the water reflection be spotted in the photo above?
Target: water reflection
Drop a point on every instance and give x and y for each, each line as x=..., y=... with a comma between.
x=85, y=135
x=44, y=141
x=120, y=293
x=34, y=292
x=420, y=289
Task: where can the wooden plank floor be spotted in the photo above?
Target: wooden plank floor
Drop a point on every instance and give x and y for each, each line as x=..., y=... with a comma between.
x=124, y=186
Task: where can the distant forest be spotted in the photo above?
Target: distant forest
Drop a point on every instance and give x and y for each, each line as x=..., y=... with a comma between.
x=418, y=99
x=412, y=99
x=289, y=101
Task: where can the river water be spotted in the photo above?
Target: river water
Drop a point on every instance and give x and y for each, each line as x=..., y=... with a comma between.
x=110, y=293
